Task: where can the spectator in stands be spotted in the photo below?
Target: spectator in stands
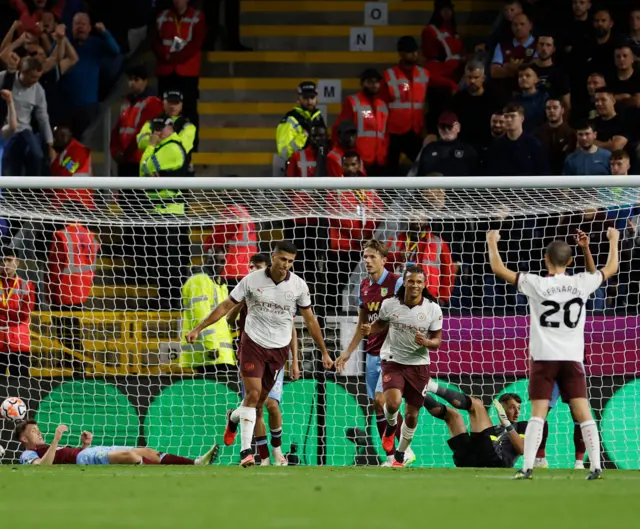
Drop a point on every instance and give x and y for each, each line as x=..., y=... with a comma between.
x=81, y=84
x=633, y=37
x=625, y=84
x=351, y=164
x=31, y=12
x=442, y=47
x=139, y=107
x=516, y=153
x=23, y=153
x=552, y=78
x=531, y=98
x=512, y=53
x=556, y=136
x=578, y=29
x=449, y=155
x=177, y=40
x=404, y=89
x=294, y=129
x=312, y=160
x=371, y=114
x=347, y=135
x=501, y=30
x=231, y=24
x=588, y=159
x=72, y=159
x=612, y=128
x=583, y=107
x=18, y=301
x=474, y=106
x=597, y=54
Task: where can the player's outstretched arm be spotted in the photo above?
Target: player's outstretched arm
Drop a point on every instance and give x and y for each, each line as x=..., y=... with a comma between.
x=497, y=266
x=355, y=341
x=313, y=327
x=516, y=440
x=583, y=240
x=611, y=268
x=232, y=315
x=295, y=366
x=50, y=454
x=221, y=310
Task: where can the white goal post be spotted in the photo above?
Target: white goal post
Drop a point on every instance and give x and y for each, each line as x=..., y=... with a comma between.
x=106, y=353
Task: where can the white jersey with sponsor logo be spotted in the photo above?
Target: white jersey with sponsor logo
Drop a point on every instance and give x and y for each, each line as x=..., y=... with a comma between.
x=558, y=314
x=404, y=323
x=271, y=307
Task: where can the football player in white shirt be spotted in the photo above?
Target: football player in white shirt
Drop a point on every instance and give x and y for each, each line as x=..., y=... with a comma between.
x=272, y=297
x=414, y=320
x=556, y=342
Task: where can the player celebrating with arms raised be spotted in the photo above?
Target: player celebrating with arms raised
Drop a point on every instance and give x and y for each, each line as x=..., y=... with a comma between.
x=556, y=342
x=374, y=289
x=414, y=322
x=272, y=296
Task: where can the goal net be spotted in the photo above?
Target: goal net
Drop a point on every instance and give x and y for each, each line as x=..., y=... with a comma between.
x=93, y=321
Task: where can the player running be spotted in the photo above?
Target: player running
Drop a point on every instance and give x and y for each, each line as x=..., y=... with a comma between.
x=259, y=262
x=273, y=296
x=374, y=289
x=36, y=452
x=486, y=446
x=414, y=322
x=556, y=342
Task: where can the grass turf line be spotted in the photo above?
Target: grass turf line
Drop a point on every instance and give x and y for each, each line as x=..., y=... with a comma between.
x=66, y=497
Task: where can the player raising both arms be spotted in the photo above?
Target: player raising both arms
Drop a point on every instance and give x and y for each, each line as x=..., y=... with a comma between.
x=414, y=322
x=259, y=262
x=273, y=296
x=374, y=289
x=36, y=452
x=556, y=342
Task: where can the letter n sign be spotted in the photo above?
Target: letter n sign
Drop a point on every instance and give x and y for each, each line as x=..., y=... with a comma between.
x=376, y=14
x=361, y=39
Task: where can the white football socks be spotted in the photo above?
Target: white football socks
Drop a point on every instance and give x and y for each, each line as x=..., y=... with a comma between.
x=392, y=418
x=247, y=418
x=406, y=435
x=532, y=440
x=592, y=443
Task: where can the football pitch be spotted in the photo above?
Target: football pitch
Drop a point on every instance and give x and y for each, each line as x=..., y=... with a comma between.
x=66, y=497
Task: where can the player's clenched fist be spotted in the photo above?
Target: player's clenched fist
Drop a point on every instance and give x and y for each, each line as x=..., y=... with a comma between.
x=327, y=363
x=86, y=437
x=421, y=339
x=341, y=362
x=192, y=336
x=613, y=234
x=365, y=329
x=493, y=236
x=582, y=239
x=60, y=431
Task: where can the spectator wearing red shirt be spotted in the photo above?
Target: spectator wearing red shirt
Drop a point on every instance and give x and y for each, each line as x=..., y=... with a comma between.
x=442, y=47
x=371, y=114
x=177, y=40
x=17, y=302
x=346, y=141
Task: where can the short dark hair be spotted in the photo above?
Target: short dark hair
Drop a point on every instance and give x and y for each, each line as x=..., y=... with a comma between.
x=351, y=154
x=603, y=9
x=620, y=154
x=21, y=426
x=30, y=64
x=285, y=247
x=138, y=71
x=378, y=246
x=559, y=253
x=604, y=90
x=527, y=66
x=259, y=258
x=624, y=45
x=513, y=107
x=504, y=399
x=585, y=124
x=556, y=98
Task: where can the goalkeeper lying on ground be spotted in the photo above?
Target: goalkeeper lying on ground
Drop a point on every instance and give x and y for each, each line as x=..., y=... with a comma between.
x=486, y=446
x=36, y=452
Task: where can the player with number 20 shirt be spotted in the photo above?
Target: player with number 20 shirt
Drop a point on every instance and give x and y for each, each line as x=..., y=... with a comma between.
x=556, y=344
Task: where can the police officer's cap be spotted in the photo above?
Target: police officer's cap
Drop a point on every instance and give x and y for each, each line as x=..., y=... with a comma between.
x=370, y=74
x=160, y=122
x=307, y=88
x=407, y=44
x=173, y=96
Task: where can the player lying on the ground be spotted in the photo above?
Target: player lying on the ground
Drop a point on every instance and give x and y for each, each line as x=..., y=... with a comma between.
x=36, y=452
x=486, y=445
x=374, y=289
x=414, y=321
x=260, y=261
x=556, y=339
x=273, y=296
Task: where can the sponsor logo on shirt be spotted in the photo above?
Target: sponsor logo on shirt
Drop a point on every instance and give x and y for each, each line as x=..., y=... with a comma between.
x=373, y=306
x=384, y=291
x=248, y=366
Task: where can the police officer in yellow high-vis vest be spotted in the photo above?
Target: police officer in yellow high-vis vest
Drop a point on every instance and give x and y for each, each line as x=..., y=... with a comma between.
x=201, y=293
x=164, y=254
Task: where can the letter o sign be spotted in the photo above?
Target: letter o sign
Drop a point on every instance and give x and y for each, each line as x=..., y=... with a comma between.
x=376, y=14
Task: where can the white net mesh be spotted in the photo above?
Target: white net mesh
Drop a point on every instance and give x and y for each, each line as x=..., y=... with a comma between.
x=99, y=346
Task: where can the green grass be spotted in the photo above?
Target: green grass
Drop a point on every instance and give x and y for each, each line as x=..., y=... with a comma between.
x=66, y=497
